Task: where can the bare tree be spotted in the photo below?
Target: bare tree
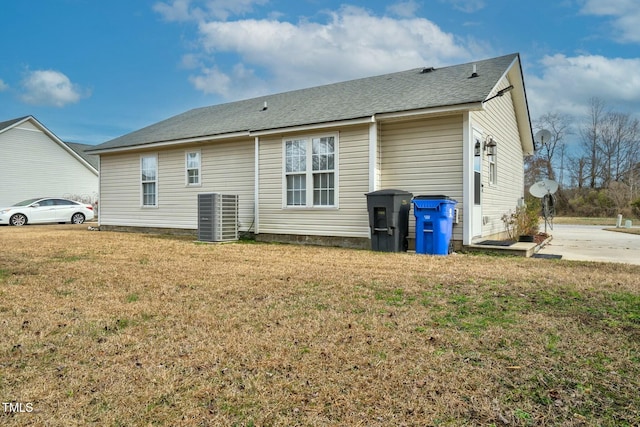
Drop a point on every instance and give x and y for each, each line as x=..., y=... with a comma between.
x=618, y=193
x=591, y=139
x=577, y=171
x=534, y=171
x=618, y=138
x=559, y=125
x=603, y=172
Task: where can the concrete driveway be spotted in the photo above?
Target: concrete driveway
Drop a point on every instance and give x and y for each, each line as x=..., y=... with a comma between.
x=593, y=243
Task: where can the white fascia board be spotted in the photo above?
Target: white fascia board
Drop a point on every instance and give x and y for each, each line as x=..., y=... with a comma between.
x=513, y=75
x=311, y=127
x=162, y=144
x=277, y=131
x=425, y=112
x=16, y=124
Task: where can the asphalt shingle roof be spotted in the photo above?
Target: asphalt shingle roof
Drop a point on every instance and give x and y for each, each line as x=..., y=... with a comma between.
x=389, y=93
x=81, y=149
x=6, y=124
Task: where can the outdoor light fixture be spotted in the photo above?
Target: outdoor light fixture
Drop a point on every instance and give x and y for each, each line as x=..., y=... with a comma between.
x=477, y=148
x=499, y=93
x=489, y=146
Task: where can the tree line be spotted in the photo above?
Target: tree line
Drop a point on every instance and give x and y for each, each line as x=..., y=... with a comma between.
x=598, y=176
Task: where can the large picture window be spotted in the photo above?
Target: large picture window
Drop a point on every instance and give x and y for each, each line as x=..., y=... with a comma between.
x=193, y=168
x=149, y=180
x=310, y=168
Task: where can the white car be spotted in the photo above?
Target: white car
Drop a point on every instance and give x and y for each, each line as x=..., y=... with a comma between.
x=46, y=210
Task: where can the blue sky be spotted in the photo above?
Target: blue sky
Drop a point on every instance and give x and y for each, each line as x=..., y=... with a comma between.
x=93, y=70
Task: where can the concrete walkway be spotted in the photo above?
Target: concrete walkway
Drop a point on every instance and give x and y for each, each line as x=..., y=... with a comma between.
x=592, y=243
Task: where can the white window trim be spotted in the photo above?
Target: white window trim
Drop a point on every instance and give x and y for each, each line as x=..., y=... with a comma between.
x=493, y=172
x=186, y=168
x=142, y=205
x=309, y=172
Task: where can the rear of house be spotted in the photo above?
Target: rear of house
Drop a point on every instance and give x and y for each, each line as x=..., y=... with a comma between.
x=302, y=161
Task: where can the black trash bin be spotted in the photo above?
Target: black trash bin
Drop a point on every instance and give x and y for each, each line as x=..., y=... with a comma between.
x=389, y=219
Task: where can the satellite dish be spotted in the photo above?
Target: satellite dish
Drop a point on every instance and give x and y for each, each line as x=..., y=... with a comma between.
x=542, y=188
x=542, y=136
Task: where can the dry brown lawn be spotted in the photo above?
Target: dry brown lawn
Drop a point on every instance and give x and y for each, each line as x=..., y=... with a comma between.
x=117, y=329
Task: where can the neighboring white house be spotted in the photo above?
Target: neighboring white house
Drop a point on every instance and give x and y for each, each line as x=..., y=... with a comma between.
x=302, y=161
x=36, y=163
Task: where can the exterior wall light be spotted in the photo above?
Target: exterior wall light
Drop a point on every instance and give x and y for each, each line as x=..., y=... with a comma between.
x=490, y=146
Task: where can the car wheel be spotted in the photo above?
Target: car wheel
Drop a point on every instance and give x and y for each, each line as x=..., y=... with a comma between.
x=77, y=218
x=18, y=219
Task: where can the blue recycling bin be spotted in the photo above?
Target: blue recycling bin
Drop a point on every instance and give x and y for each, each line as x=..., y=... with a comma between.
x=434, y=223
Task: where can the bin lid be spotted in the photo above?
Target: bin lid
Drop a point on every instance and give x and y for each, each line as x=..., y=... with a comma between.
x=389, y=192
x=432, y=202
x=430, y=197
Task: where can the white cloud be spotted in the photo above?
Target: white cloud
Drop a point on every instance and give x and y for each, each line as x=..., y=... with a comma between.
x=404, y=9
x=352, y=43
x=178, y=10
x=468, y=6
x=199, y=10
x=567, y=84
x=240, y=81
x=49, y=87
x=190, y=61
x=625, y=15
x=3, y=86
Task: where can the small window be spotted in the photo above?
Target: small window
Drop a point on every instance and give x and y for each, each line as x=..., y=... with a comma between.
x=149, y=180
x=313, y=174
x=193, y=168
x=493, y=172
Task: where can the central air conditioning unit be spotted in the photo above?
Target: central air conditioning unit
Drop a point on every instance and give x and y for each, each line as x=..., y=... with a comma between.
x=217, y=217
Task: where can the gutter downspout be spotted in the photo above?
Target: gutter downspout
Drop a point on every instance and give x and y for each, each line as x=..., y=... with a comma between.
x=467, y=179
x=373, y=154
x=256, y=187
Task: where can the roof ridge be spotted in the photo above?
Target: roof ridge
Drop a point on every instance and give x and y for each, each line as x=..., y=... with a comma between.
x=407, y=90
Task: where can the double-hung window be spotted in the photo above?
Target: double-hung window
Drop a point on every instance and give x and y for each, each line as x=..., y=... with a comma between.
x=310, y=171
x=149, y=180
x=296, y=172
x=493, y=171
x=192, y=166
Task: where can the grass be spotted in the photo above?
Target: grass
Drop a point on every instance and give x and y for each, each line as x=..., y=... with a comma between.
x=584, y=220
x=126, y=329
x=596, y=221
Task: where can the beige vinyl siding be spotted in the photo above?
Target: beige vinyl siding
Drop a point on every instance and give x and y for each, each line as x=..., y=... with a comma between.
x=34, y=165
x=348, y=219
x=424, y=157
x=225, y=168
x=499, y=120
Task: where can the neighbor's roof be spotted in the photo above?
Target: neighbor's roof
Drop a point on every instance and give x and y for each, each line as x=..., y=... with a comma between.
x=9, y=123
x=78, y=151
x=410, y=90
x=81, y=149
